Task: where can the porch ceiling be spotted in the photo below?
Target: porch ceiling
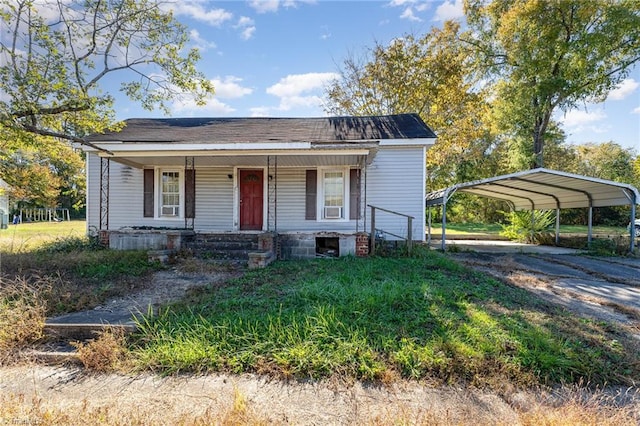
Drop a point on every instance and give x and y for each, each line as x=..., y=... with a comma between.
x=245, y=160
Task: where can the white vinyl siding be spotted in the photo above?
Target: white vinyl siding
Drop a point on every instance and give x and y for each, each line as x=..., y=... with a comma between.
x=396, y=181
x=214, y=199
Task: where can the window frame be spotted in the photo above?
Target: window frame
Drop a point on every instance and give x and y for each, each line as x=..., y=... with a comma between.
x=320, y=207
x=181, y=195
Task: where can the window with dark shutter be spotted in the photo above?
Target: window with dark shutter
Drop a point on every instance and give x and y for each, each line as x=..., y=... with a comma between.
x=311, y=195
x=149, y=177
x=354, y=194
x=190, y=193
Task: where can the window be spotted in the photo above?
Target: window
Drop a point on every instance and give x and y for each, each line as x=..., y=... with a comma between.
x=333, y=195
x=170, y=194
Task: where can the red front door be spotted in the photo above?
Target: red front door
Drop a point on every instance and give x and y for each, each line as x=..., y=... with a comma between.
x=251, y=190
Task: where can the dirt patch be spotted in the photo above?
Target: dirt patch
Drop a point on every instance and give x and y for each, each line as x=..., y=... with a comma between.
x=165, y=287
x=70, y=396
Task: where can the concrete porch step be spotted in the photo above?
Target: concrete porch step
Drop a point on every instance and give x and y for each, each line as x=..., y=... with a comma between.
x=227, y=246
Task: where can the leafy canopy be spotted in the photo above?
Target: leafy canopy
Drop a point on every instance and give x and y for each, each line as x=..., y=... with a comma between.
x=425, y=75
x=54, y=54
x=548, y=55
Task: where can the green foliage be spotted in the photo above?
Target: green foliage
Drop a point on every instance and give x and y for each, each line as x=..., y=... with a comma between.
x=549, y=55
x=55, y=55
x=529, y=226
x=424, y=317
x=425, y=75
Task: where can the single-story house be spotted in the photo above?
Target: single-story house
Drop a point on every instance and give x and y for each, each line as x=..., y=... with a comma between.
x=308, y=184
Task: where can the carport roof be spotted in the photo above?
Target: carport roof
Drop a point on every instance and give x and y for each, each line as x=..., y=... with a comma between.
x=544, y=189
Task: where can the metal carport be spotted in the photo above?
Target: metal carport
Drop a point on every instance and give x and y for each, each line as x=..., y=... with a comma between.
x=542, y=189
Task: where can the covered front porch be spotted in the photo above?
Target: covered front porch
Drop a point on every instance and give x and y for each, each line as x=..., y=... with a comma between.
x=233, y=196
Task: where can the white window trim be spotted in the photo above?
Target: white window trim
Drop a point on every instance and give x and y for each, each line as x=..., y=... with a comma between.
x=345, y=196
x=157, y=208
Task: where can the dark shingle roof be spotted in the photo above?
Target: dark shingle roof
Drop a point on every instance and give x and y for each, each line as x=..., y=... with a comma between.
x=238, y=130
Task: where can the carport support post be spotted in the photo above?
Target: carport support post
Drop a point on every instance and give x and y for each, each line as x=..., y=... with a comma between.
x=444, y=224
x=632, y=224
x=557, y=226
x=590, y=225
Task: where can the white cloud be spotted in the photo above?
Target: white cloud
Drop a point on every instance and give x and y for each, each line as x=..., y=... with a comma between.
x=264, y=6
x=229, y=88
x=624, y=89
x=408, y=14
x=449, y=10
x=187, y=106
x=411, y=7
x=581, y=121
x=225, y=88
x=246, y=26
x=260, y=111
x=301, y=90
x=296, y=84
x=636, y=110
x=197, y=11
x=199, y=42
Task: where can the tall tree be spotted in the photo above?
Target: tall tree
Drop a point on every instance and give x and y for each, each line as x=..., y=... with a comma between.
x=545, y=55
x=424, y=75
x=44, y=174
x=54, y=54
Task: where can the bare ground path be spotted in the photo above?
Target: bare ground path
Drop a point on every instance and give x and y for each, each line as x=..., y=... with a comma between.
x=67, y=396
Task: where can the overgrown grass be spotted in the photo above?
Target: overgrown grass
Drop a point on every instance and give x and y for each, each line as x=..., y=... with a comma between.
x=377, y=319
x=70, y=270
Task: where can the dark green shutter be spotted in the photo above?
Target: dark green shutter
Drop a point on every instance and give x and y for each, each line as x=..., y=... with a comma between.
x=190, y=193
x=311, y=195
x=149, y=177
x=354, y=194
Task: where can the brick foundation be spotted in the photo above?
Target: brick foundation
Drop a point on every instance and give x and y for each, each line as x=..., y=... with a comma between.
x=362, y=244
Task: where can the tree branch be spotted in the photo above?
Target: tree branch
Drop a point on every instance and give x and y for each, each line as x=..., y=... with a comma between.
x=43, y=132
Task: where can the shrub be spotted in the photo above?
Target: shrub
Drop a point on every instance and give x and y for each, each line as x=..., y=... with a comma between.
x=528, y=227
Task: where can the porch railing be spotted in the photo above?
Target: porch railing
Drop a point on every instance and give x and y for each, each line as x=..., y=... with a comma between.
x=408, y=238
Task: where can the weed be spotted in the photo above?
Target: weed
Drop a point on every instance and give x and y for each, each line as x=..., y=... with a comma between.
x=22, y=314
x=105, y=353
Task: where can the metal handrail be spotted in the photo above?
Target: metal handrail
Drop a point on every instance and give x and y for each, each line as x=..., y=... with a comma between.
x=408, y=239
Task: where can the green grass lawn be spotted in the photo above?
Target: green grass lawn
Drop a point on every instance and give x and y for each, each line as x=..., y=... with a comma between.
x=424, y=317
x=25, y=237
x=494, y=229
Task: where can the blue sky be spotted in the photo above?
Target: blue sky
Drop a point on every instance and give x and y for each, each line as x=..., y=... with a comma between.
x=273, y=58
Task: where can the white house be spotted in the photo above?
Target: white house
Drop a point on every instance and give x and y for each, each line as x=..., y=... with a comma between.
x=307, y=182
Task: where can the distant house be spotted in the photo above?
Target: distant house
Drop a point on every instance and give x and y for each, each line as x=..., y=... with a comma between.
x=305, y=183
